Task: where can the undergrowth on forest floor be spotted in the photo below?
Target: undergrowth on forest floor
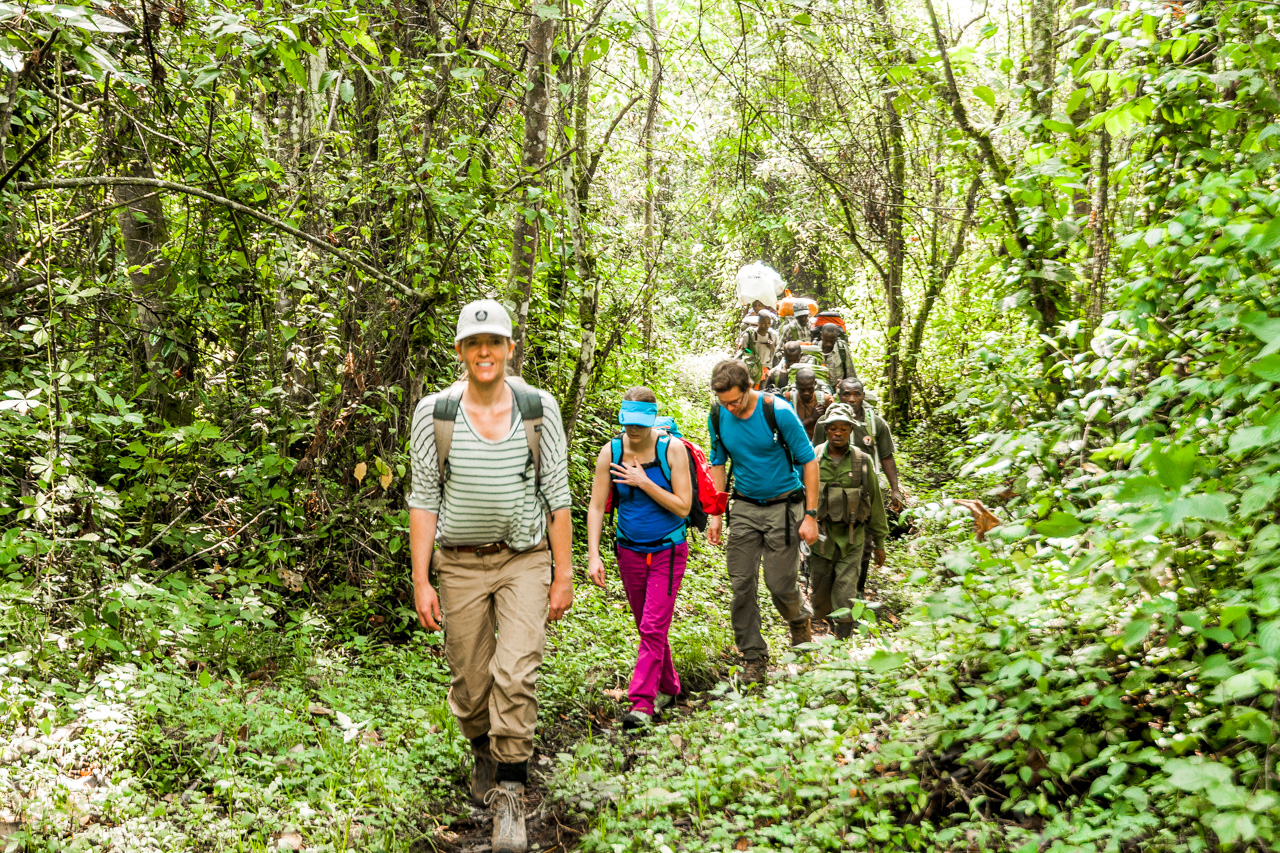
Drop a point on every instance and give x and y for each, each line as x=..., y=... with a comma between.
x=1020, y=704
x=328, y=746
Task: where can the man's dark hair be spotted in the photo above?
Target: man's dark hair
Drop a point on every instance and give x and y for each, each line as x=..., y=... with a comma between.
x=807, y=374
x=791, y=348
x=730, y=373
x=639, y=394
x=848, y=382
x=833, y=328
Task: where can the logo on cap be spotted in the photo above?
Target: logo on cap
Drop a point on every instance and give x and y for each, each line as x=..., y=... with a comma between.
x=481, y=316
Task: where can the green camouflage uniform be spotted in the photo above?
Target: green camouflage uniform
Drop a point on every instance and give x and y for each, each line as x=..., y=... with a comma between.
x=836, y=562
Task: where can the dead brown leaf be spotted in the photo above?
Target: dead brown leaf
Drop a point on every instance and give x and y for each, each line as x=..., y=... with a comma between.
x=984, y=520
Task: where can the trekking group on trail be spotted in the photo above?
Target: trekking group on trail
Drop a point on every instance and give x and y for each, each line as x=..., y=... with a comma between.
x=794, y=471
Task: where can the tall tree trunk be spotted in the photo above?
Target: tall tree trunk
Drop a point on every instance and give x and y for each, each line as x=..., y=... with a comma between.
x=898, y=404
x=145, y=231
x=1046, y=295
x=524, y=240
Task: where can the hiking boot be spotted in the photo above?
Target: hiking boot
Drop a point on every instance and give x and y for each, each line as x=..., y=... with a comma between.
x=507, y=800
x=635, y=720
x=801, y=632
x=754, y=671
x=663, y=702
x=483, y=773
x=843, y=630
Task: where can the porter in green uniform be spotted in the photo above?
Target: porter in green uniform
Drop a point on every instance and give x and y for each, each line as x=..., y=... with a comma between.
x=850, y=509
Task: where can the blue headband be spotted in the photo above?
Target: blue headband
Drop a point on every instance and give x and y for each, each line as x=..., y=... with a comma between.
x=636, y=413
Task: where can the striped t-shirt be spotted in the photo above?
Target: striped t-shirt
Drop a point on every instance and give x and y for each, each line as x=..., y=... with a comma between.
x=489, y=496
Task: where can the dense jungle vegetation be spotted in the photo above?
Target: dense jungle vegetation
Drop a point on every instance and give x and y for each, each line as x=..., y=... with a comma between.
x=234, y=239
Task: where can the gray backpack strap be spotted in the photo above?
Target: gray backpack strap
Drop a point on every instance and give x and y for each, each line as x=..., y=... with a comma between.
x=529, y=403
x=443, y=416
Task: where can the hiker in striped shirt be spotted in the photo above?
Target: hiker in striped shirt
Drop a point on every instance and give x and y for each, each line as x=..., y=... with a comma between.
x=491, y=489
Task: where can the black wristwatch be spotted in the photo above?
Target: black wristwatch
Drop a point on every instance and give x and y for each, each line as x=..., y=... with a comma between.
x=812, y=513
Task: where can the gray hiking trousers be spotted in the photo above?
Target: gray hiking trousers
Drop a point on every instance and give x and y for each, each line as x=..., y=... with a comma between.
x=758, y=537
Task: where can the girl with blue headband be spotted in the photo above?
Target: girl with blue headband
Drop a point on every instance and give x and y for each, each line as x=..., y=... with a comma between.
x=647, y=475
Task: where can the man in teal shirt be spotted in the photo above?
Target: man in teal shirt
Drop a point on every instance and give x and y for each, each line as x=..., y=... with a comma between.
x=773, y=507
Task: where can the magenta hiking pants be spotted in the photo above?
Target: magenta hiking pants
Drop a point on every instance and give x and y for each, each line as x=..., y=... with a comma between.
x=652, y=582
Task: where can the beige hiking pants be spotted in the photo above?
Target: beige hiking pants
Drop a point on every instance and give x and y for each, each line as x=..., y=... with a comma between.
x=493, y=674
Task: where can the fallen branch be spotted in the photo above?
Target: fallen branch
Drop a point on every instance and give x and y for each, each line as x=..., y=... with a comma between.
x=347, y=257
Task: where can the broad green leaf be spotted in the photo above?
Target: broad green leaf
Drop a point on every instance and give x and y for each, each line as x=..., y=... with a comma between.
x=1243, y=685
x=1188, y=774
x=363, y=39
x=1231, y=826
x=1135, y=632
x=207, y=77
x=1211, y=507
x=1269, y=637
x=1174, y=468
x=291, y=65
x=1266, y=329
x=882, y=661
x=1267, y=367
x=1076, y=99
x=986, y=94
x=1059, y=525
x=1268, y=239
x=80, y=18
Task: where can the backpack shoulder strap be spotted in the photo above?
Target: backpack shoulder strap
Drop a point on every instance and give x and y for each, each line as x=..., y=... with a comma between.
x=615, y=457
x=660, y=452
x=771, y=418
x=529, y=402
x=443, y=416
x=715, y=427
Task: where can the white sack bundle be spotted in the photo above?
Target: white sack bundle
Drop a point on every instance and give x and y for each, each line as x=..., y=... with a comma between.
x=759, y=282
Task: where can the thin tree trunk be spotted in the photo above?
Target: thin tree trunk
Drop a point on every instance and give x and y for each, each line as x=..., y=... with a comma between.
x=937, y=282
x=650, y=191
x=588, y=303
x=524, y=241
x=1102, y=230
x=650, y=118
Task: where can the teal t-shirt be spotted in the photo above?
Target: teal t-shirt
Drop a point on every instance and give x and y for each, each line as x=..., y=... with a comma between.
x=760, y=469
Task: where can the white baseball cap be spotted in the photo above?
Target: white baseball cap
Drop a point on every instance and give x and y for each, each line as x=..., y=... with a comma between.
x=483, y=317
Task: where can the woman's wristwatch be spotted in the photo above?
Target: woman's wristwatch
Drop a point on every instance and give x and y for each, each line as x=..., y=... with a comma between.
x=812, y=513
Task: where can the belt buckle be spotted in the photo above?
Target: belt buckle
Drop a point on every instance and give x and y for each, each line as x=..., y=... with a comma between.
x=490, y=548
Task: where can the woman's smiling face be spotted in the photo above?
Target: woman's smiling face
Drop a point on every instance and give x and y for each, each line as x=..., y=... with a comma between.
x=485, y=356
